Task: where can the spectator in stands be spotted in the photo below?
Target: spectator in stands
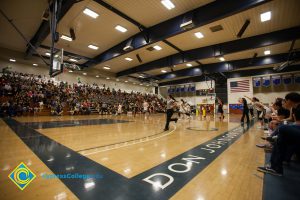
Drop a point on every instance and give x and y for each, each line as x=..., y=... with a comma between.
x=287, y=136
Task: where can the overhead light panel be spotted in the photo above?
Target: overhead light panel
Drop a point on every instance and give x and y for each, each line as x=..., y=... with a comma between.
x=107, y=78
x=157, y=47
x=168, y=4
x=128, y=59
x=73, y=60
x=47, y=54
x=126, y=81
x=121, y=28
x=12, y=60
x=267, y=52
x=34, y=64
x=97, y=76
x=70, y=71
x=84, y=73
x=90, y=13
x=64, y=37
x=265, y=16
x=222, y=59
x=106, y=67
x=163, y=71
x=141, y=76
x=141, y=84
x=189, y=65
x=93, y=47
x=199, y=35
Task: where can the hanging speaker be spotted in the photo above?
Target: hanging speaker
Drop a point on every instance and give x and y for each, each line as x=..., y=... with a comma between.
x=72, y=34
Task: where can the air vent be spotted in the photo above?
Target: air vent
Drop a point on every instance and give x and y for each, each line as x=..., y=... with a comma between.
x=216, y=28
x=150, y=49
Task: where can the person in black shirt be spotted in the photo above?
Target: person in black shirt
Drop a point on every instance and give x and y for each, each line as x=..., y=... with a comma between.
x=220, y=108
x=245, y=110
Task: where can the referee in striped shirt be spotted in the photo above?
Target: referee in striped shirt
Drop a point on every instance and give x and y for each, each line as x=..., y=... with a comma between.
x=170, y=110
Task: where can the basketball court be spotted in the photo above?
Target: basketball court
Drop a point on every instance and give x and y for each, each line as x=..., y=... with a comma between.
x=87, y=67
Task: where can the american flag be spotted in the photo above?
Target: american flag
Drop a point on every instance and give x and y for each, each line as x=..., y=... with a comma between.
x=240, y=86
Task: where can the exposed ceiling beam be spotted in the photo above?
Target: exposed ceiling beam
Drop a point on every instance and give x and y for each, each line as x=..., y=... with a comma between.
x=44, y=28
x=121, y=14
x=254, y=72
x=223, y=48
x=66, y=53
x=228, y=66
x=201, y=16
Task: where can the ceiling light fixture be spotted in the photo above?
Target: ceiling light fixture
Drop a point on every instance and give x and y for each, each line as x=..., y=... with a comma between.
x=47, y=54
x=128, y=59
x=70, y=71
x=222, y=59
x=199, y=35
x=126, y=81
x=157, y=47
x=107, y=78
x=121, y=28
x=163, y=71
x=265, y=16
x=84, y=73
x=12, y=60
x=64, y=37
x=168, y=4
x=267, y=52
x=34, y=64
x=73, y=60
x=93, y=47
x=90, y=13
x=106, y=67
x=97, y=76
x=189, y=65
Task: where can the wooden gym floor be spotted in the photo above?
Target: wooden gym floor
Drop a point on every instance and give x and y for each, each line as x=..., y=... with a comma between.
x=133, y=158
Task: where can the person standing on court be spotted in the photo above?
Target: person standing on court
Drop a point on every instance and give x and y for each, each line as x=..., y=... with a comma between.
x=245, y=110
x=170, y=110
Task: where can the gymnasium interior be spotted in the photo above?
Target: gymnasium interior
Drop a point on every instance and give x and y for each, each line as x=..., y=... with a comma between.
x=150, y=99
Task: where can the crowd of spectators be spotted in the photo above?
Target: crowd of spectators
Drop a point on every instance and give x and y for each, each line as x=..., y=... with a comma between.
x=282, y=133
x=22, y=94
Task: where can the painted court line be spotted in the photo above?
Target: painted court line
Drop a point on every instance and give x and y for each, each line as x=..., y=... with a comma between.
x=126, y=144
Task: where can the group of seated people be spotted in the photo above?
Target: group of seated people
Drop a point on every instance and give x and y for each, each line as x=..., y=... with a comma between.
x=26, y=93
x=281, y=122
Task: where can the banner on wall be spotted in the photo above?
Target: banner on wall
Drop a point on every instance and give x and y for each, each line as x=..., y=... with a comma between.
x=182, y=89
x=297, y=78
x=266, y=81
x=276, y=80
x=256, y=82
x=287, y=79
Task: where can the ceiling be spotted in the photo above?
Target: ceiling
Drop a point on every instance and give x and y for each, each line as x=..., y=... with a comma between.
x=101, y=32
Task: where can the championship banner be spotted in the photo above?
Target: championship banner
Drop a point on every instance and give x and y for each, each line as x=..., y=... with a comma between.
x=287, y=79
x=256, y=82
x=276, y=80
x=297, y=78
x=182, y=89
x=266, y=82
